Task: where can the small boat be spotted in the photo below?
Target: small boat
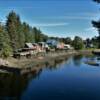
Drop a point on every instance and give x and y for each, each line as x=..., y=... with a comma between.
x=92, y=63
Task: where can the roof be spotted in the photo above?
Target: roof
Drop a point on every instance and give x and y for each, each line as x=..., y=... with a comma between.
x=52, y=41
x=29, y=45
x=34, y=44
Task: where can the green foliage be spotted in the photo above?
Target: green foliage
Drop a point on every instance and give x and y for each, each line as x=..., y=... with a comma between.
x=37, y=34
x=20, y=33
x=39, y=37
x=15, y=34
x=26, y=32
x=96, y=24
x=98, y=1
x=95, y=42
x=68, y=40
x=78, y=43
x=12, y=26
x=5, y=51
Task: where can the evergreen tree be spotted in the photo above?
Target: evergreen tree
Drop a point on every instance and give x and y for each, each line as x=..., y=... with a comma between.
x=5, y=49
x=21, y=36
x=1, y=36
x=12, y=26
x=15, y=34
x=27, y=32
x=36, y=34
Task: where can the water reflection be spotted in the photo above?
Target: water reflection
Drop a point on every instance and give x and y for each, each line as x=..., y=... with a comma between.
x=92, y=60
x=14, y=86
x=77, y=60
x=66, y=83
x=11, y=86
x=55, y=64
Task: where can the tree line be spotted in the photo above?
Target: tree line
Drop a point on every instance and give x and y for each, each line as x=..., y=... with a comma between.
x=14, y=34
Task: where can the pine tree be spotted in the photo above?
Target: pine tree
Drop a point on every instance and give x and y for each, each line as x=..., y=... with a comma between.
x=13, y=26
x=27, y=32
x=5, y=49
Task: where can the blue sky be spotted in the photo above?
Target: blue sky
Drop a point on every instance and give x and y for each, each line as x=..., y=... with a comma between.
x=62, y=18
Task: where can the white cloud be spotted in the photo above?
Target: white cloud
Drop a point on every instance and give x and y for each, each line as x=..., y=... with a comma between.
x=74, y=16
x=71, y=17
x=50, y=24
x=90, y=13
x=66, y=17
x=90, y=29
x=77, y=17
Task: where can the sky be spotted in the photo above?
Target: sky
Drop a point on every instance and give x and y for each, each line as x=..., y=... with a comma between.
x=61, y=18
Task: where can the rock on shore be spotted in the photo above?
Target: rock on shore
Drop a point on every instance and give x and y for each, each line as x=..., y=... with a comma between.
x=4, y=62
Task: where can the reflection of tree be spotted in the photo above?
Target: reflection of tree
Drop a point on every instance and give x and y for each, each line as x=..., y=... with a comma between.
x=77, y=60
x=12, y=85
x=51, y=65
x=90, y=57
x=54, y=65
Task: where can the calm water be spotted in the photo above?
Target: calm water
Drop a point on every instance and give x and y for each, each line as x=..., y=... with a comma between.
x=69, y=80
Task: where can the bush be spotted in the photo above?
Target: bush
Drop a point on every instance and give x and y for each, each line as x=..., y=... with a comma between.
x=6, y=51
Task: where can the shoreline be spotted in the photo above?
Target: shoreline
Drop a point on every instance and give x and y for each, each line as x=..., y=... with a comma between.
x=25, y=65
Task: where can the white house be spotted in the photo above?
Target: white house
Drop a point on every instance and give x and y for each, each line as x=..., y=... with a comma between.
x=67, y=46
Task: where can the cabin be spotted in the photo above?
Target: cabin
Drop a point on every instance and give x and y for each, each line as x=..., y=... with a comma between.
x=27, y=51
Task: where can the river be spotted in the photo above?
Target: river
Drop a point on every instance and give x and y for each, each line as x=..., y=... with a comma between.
x=71, y=79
